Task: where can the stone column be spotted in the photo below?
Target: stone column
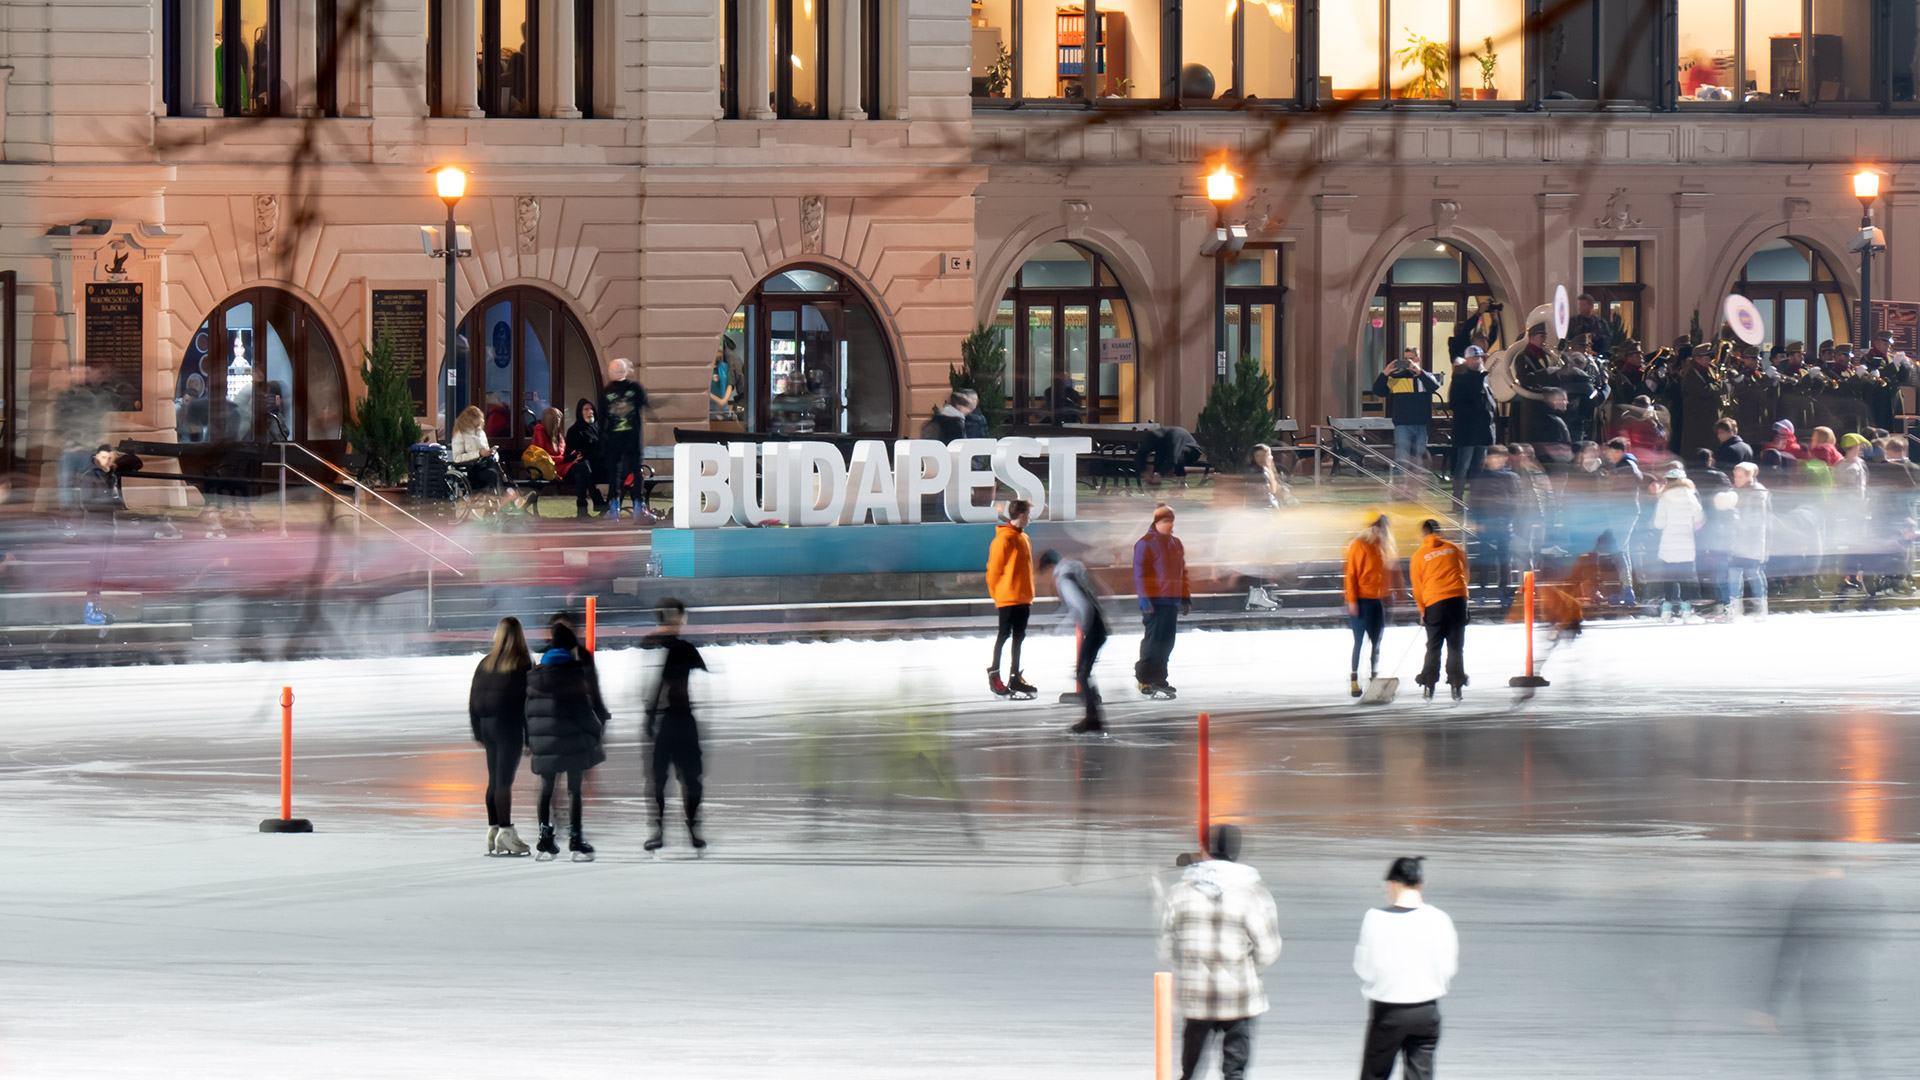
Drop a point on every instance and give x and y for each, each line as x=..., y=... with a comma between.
x=1689, y=271
x=565, y=35
x=460, y=58
x=756, y=33
x=850, y=62
x=200, y=19
x=1559, y=260
x=1332, y=387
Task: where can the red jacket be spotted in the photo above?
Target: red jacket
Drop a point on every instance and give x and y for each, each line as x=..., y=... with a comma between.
x=1160, y=569
x=555, y=446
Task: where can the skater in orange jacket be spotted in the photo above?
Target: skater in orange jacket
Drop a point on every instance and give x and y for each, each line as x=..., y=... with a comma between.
x=1438, y=573
x=1010, y=583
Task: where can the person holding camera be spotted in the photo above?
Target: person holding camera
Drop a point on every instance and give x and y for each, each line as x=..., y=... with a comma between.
x=1409, y=392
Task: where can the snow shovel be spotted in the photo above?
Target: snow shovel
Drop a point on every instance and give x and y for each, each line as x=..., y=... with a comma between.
x=1380, y=691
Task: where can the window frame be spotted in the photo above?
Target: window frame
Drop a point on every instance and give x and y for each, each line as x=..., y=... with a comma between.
x=230, y=71
x=755, y=383
x=172, y=52
x=489, y=59
x=436, y=63
x=306, y=318
x=729, y=41
x=470, y=373
x=1247, y=297
x=326, y=57
x=1812, y=290
x=585, y=33
x=1057, y=298
x=1607, y=293
x=783, y=46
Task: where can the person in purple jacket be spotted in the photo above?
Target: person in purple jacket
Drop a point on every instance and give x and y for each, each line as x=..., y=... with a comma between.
x=1160, y=580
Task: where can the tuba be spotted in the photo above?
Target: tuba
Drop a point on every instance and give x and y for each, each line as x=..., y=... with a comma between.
x=1501, y=366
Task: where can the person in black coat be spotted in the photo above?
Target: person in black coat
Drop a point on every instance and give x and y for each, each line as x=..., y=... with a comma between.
x=1471, y=400
x=565, y=721
x=1492, y=504
x=672, y=733
x=583, y=451
x=497, y=708
x=1730, y=449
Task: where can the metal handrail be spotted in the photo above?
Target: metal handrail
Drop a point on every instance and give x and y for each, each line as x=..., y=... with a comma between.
x=1449, y=520
x=1424, y=477
x=358, y=486
x=337, y=497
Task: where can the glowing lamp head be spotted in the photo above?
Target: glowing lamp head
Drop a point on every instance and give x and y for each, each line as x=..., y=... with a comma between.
x=450, y=183
x=1866, y=184
x=1221, y=187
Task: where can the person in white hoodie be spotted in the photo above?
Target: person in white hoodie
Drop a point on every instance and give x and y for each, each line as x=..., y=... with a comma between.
x=1676, y=517
x=1407, y=956
x=1220, y=929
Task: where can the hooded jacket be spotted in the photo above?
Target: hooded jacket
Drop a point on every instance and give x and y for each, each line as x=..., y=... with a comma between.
x=1220, y=928
x=1010, y=567
x=583, y=438
x=1367, y=575
x=1677, y=515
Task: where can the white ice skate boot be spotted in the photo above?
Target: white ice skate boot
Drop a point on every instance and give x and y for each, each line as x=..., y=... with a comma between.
x=1686, y=612
x=493, y=839
x=1258, y=600
x=510, y=842
x=1666, y=611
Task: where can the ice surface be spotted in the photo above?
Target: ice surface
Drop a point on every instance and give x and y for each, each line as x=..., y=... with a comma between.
x=910, y=879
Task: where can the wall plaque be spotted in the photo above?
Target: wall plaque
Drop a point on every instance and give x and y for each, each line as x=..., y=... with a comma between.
x=116, y=358
x=401, y=315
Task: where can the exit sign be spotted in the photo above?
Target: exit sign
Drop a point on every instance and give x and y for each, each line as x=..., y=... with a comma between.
x=956, y=264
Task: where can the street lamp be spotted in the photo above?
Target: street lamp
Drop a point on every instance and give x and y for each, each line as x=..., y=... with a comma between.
x=1866, y=188
x=450, y=183
x=1222, y=187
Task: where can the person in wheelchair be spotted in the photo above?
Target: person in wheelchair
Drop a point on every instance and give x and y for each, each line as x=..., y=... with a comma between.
x=472, y=453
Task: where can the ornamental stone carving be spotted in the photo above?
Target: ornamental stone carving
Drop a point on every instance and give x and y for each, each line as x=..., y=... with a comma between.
x=1619, y=213
x=813, y=224
x=526, y=217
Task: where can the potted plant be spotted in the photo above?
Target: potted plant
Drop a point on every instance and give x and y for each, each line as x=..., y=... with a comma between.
x=1000, y=74
x=1238, y=416
x=983, y=370
x=1431, y=58
x=1487, y=60
x=382, y=426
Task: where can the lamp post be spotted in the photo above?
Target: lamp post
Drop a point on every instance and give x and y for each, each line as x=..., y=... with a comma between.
x=450, y=183
x=1221, y=189
x=1866, y=188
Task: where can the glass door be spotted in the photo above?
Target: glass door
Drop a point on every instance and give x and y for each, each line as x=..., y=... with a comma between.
x=807, y=386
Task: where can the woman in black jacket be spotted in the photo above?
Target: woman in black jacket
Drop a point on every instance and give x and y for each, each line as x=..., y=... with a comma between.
x=565, y=719
x=583, y=454
x=497, y=708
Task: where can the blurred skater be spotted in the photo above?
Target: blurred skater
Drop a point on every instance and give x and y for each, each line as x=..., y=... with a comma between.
x=672, y=736
x=1438, y=573
x=1408, y=954
x=1826, y=966
x=1369, y=582
x=1010, y=583
x=1220, y=929
x=1160, y=580
x=565, y=721
x=497, y=709
x=1075, y=589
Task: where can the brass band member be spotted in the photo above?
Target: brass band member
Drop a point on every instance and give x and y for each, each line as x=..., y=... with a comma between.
x=1533, y=373
x=1755, y=392
x=1701, y=396
x=1894, y=372
x=1800, y=385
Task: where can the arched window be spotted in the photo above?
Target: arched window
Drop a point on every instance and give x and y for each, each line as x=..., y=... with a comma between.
x=261, y=368
x=1065, y=305
x=1426, y=294
x=1795, y=290
x=519, y=351
x=805, y=354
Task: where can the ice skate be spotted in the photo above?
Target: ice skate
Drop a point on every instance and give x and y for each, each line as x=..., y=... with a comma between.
x=546, y=847
x=994, y=684
x=1159, y=691
x=1426, y=693
x=493, y=839
x=1456, y=694
x=582, y=851
x=1258, y=599
x=654, y=842
x=1686, y=613
x=1353, y=684
x=1020, y=689
x=693, y=837
x=510, y=844
x=1666, y=611
x=1096, y=728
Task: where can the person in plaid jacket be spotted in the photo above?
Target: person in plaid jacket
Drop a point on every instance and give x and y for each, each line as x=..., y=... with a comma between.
x=1220, y=929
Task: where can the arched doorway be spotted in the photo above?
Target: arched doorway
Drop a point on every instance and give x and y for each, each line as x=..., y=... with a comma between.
x=261, y=369
x=1420, y=304
x=804, y=353
x=1072, y=350
x=532, y=353
x=1798, y=297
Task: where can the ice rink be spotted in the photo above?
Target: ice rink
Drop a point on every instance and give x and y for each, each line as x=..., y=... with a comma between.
x=910, y=878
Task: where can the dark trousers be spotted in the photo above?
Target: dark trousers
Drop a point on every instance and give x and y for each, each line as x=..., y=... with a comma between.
x=1446, y=623
x=1408, y=1032
x=1092, y=636
x=1236, y=1046
x=1162, y=620
x=483, y=475
x=675, y=748
x=503, y=760
x=1013, y=623
x=1466, y=462
x=580, y=475
x=573, y=791
x=1369, y=620
x=623, y=461
x=1494, y=566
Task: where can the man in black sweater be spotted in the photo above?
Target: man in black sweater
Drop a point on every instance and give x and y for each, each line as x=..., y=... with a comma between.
x=1473, y=408
x=672, y=736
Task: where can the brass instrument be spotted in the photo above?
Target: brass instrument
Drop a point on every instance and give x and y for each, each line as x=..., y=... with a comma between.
x=1719, y=372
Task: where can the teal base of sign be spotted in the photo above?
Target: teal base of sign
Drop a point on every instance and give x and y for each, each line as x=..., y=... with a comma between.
x=942, y=547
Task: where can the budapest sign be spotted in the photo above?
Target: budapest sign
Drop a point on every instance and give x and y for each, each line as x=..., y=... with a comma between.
x=809, y=483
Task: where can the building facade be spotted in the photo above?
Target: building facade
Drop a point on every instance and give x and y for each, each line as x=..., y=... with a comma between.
x=828, y=195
